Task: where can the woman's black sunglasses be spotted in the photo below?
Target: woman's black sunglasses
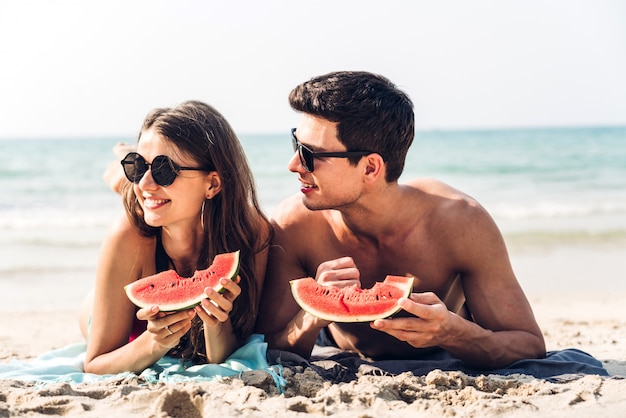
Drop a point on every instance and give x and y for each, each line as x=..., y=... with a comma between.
x=164, y=170
x=307, y=156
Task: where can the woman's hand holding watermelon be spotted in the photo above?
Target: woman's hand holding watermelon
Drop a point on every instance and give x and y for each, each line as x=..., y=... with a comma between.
x=217, y=305
x=214, y=311
x=166, y=328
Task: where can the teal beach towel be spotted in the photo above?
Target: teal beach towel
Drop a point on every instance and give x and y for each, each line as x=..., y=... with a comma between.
x=66, y=365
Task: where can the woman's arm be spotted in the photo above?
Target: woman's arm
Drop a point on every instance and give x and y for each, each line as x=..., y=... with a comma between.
x=125, y=256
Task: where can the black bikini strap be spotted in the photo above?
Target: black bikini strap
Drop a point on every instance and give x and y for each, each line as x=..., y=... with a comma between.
x=161, y=259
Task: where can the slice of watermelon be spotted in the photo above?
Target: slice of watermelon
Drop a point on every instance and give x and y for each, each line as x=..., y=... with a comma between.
x=351, y=304
x=171, y=292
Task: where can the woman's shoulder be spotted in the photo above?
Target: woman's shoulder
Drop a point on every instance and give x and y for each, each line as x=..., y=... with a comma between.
x=125, y=235
x=126, y=253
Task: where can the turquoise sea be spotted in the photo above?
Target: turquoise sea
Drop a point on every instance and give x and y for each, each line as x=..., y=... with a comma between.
x=544, y=188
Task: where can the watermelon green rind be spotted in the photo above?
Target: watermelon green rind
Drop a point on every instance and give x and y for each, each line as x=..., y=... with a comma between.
x=351, y=304
x=171, y=292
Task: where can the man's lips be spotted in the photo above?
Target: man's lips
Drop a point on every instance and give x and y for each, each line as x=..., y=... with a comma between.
x=306, y=187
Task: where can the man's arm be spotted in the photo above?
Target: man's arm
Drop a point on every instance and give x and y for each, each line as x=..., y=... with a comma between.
x=282, y=321
x=504, y=327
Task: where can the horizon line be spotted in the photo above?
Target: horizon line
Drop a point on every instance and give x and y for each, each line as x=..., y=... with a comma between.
x=4, y=137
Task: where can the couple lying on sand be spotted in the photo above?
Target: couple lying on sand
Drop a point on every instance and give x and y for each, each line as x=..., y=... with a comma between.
x=189, y=195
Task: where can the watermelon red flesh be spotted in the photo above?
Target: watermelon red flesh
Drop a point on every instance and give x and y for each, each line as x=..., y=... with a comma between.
x=171, y=292
x=351, y=304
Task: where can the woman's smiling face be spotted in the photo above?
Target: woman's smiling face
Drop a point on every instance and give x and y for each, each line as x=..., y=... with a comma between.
x=180, y=202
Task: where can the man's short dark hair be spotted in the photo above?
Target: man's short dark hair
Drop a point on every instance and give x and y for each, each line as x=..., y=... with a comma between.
x=371, y=113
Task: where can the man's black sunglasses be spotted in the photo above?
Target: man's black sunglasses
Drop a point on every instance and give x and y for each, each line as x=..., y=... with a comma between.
x=164, y=170
x=307, y=156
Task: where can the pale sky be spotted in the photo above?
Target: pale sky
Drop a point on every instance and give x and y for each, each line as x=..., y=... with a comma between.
x=74, y=68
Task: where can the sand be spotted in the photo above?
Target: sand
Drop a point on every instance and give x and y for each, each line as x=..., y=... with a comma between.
x=591, y=321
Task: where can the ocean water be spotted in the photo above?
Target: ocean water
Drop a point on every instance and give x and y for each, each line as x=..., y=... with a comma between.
x=551, y=186
x=544, y=188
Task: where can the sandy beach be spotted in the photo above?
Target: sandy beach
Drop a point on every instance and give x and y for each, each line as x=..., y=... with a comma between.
x=592, y=321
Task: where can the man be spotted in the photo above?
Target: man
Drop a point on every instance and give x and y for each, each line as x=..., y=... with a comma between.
x=353, y=223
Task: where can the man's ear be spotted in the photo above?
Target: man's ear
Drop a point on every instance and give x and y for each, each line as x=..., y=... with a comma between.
x=214, y=185
x=374, y=166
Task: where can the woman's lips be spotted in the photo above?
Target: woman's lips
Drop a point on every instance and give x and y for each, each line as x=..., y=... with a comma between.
x=151, y=203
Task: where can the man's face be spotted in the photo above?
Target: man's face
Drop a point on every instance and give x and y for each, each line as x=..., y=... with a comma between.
x=333, y=182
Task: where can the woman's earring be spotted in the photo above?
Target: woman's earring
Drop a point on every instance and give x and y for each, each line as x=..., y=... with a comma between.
x=202, y=215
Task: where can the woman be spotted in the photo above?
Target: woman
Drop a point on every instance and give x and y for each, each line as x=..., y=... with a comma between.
x=190, y=197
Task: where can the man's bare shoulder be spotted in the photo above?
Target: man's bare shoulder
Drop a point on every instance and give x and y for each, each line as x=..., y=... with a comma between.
x=457, y=220
x=430, y=186
x=291, y=212
x=451, y=214
x=442, y=196
x=292, y=221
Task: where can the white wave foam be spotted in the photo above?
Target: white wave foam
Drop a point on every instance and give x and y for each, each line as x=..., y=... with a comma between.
x=546, y=210
x=38, y=220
